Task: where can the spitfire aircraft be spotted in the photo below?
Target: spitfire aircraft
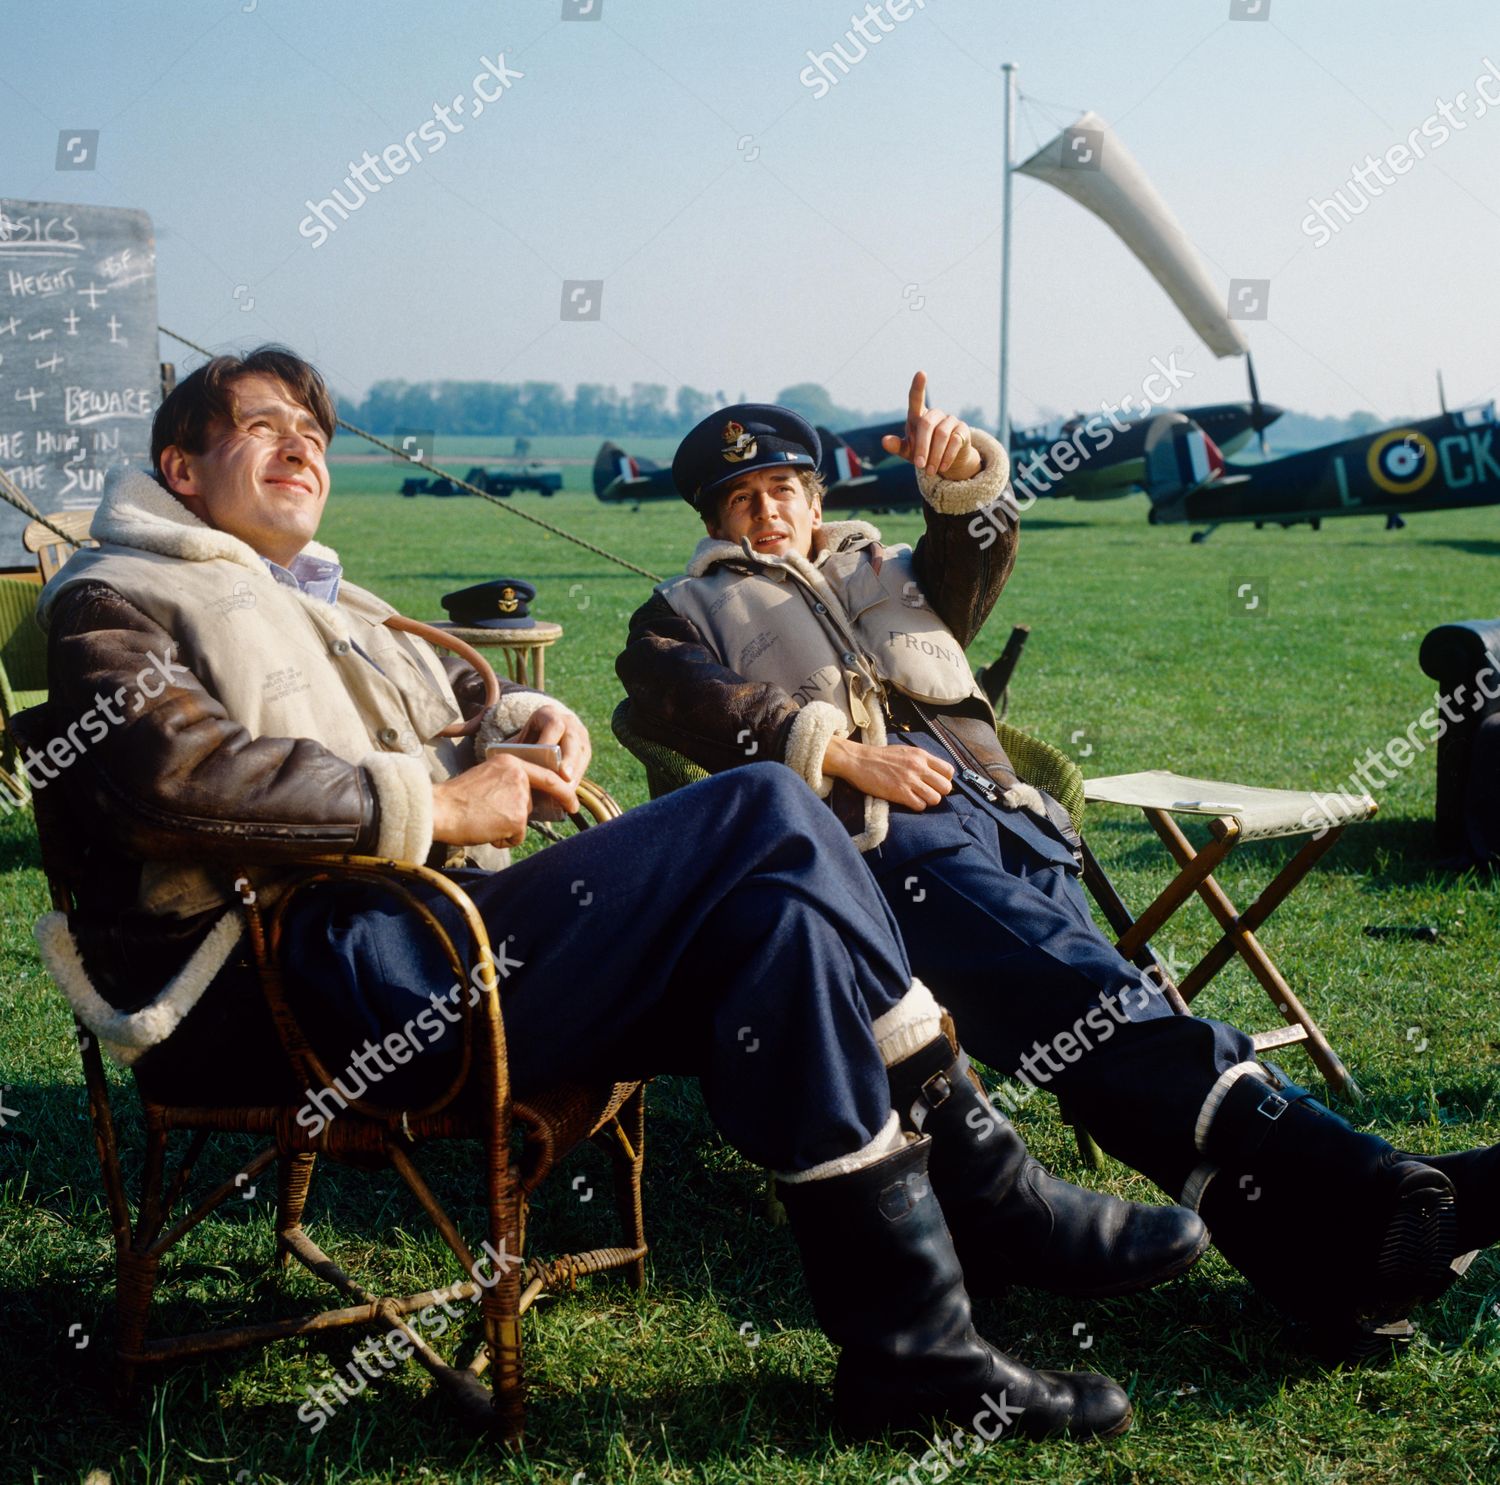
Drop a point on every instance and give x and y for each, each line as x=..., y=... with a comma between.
x=1441, y=463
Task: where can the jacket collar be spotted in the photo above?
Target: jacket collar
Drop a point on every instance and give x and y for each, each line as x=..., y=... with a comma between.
x=137, y=512
x=838, y=536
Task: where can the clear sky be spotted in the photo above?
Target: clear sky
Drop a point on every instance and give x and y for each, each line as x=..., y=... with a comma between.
x=750, y=230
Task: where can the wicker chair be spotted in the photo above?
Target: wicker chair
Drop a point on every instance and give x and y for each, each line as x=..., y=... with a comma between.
x=477, y=1105
x=23, y=673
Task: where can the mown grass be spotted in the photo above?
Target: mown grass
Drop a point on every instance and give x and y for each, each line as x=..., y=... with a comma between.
x=1140, y=649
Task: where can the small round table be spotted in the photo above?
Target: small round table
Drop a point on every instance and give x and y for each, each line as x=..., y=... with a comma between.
x=522, y=650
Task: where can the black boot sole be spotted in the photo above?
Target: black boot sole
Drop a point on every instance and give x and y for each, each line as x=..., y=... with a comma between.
x=1414, y=1267
x=1416, y=1258
x=864, y=1423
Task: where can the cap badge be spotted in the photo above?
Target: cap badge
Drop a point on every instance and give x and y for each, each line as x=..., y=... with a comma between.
x=508, y=602
x=739, y=445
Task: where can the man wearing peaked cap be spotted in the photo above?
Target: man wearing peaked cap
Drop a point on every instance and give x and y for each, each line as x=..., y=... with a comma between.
x=818, y=645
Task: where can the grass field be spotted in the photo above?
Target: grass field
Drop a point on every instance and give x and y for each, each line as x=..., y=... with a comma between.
x=1141, y=653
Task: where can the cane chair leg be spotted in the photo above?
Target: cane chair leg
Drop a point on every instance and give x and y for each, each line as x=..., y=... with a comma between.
x=1088, y=1147
x=152, y=1211
x=627, y=1150
x=135, y=1283
x=293, y=1177
x=500, y=1307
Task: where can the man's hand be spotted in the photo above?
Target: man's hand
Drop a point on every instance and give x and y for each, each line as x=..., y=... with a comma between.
x=935, y=441
x=489, y=803
x=556, y=724
x=900, y=774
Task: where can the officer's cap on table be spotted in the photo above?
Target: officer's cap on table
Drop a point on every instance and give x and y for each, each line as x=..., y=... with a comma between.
x=735, y=440
x=500, y=604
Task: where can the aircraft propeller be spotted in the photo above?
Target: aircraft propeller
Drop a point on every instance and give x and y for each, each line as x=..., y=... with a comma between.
x=1257, y=412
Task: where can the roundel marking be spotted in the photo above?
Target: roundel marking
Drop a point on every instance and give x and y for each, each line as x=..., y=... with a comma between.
x=1401, y=461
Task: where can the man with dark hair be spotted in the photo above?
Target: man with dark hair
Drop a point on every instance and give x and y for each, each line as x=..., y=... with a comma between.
x=296, y=721
x=843, y=658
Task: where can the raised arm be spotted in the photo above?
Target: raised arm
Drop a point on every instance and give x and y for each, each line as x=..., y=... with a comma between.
x=966, y=554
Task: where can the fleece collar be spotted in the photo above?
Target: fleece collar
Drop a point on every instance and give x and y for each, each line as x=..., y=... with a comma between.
x=137, y=512
x=838, y=536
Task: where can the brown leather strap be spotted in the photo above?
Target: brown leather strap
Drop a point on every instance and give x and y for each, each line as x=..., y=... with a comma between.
x=446, y=641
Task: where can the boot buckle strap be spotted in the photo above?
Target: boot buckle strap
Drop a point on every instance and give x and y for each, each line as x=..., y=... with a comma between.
x=1272, y=1106
x=902, y=1196
x=937, y=1090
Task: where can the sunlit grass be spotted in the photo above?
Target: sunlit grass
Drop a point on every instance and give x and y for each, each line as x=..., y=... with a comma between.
x=1142, y=653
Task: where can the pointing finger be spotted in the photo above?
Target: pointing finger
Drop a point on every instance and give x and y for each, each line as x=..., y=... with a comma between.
x=921, y=442
x=916, y=399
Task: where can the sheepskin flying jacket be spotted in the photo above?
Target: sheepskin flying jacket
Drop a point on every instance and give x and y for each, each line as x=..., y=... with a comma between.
x=219, y=719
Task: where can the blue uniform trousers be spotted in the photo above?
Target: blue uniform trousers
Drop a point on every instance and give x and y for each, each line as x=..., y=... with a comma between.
x=996, y=923
x=729, y=930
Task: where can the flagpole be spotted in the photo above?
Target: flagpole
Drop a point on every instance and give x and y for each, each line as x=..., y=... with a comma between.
x=1003, y=420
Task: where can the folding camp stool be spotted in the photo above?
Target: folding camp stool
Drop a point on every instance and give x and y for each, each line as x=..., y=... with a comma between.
x=1240, y=813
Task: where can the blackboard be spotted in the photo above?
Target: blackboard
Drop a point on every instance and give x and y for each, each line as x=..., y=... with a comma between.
x=79, y=372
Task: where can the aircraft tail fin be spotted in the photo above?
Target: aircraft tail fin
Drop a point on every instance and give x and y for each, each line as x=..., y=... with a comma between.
x=840, y=462
x=612, y=463
x=1180, y=458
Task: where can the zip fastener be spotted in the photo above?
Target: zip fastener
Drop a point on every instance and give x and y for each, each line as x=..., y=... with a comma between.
x=986, y=786
x=953, y=743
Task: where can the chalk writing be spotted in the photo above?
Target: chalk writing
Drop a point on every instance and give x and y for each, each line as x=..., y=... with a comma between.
x=78, y=288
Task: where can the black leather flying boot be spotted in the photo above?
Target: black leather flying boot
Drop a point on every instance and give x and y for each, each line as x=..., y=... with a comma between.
x=1012, y=1222
x=1334, y=1227
x=887, y=1289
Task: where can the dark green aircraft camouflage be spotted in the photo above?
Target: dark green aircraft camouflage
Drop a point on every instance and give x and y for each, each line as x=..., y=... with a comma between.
x=1445, y=462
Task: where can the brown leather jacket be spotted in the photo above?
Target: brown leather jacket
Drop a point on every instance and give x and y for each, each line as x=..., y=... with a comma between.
x=178, y=779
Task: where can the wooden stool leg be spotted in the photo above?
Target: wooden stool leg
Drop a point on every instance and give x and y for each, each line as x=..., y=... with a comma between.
x=1196, y=869
x=1256, y=914
x=1249, y=948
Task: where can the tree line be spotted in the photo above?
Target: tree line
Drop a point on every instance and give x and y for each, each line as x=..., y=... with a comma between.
x=526, y=408
x=649, y=409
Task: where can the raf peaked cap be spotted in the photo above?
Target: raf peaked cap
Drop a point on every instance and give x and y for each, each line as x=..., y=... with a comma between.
x=501, y=604
x=734, y=440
